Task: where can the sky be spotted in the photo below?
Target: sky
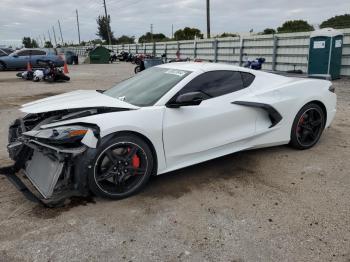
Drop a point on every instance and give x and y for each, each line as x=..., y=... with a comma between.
x=34, y=18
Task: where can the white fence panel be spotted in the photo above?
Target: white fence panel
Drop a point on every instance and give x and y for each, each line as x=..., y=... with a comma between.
x=282, y=51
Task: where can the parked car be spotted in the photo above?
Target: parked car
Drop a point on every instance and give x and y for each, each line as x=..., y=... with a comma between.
x=5, y=51
x=19, y=59
x=163, y=119
x=148, y=63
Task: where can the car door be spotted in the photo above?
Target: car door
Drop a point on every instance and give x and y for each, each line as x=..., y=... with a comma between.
x=21, y=59
x=197, y=133
x=36, y=55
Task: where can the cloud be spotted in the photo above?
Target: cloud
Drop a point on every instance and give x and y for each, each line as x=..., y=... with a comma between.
x=34, y=18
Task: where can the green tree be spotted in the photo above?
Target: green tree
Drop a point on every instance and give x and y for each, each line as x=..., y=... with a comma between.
x=48, y=44
x=124, y=39
x=295, y=26
x=269, y=31
x=338, y=21
x=227, y=35
x=95, y=42
x=188, y=34
x=34, y=43
x=149, y=37
x=103, y=26
x=29, y=43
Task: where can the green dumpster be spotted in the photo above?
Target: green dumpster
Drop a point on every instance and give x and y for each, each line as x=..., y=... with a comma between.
x=325, y=53
x=99, y=55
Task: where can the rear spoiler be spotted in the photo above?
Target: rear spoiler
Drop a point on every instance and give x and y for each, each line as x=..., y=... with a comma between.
x=300, y=74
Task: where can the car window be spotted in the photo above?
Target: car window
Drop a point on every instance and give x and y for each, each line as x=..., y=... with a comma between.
x=215, y=83
x=247, y=78
x=2, y=53
x=147, y=87
x=23, y=53
x=38, y=52
x=7, y=50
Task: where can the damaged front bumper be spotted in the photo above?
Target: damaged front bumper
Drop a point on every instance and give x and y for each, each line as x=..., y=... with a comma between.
x=47, y=175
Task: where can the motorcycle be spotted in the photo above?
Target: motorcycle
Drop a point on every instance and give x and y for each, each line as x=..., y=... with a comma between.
x=123, y=56
x=112, y=56
x=50, y=73
x=26, y=75
x=254, y=64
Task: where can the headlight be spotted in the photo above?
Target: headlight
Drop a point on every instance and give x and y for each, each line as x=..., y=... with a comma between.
x=61, y=134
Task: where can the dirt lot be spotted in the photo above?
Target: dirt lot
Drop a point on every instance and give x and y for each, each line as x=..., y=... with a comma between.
x=274, y=204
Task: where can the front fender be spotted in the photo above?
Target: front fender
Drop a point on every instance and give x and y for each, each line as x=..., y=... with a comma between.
x=147, y=121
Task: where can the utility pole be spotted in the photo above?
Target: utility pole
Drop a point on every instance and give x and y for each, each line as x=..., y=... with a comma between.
x=152, y=32
x=76, y=10
x=59, y=26
x=37, y=41
x=48, y=31
x=208, y=18
x=107, y=24
x=54, y=35
x=172, y=31
x=41, y=41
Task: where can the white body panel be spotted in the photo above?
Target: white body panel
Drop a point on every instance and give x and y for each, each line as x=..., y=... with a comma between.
x=188, y=135
x=75, y=99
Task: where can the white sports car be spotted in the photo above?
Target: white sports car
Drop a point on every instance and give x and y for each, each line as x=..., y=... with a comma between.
x=165, y=118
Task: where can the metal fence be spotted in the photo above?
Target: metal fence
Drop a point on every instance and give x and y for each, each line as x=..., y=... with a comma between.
x=282, y=51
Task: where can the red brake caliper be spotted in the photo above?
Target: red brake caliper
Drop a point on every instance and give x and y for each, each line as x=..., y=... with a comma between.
x=301, y=121
x=135, y=161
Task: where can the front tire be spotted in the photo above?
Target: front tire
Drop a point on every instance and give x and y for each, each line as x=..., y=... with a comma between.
x=137, y=69
x=2, y=66
x=307, y=127
x=122, y=167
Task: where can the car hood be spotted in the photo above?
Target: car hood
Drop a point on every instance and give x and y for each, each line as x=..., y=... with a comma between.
x=75, y=100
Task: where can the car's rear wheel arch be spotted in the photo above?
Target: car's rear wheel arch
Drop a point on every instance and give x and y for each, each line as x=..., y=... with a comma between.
x=145, y=139
x=308, y=125
x=321, y=105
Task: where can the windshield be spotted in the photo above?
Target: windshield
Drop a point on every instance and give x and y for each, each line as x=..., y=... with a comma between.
x=146, y=88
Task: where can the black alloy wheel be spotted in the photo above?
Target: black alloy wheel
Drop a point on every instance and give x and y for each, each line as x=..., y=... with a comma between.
x=308, y=126
x=121, y=168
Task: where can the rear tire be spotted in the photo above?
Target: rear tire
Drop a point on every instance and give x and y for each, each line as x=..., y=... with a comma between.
x=120, y=167
x=65, y=78
x=307, y=127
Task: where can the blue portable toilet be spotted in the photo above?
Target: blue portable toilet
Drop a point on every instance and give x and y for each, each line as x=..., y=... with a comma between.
x=325, y=53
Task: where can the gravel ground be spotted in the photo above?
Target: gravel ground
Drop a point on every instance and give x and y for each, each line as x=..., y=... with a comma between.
x=274, y=204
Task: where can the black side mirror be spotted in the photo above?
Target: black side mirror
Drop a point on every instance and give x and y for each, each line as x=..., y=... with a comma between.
x=15, y=55
x=188, y=99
